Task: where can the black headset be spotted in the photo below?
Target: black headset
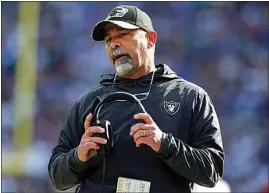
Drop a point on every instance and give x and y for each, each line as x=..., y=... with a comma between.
x=108, y=134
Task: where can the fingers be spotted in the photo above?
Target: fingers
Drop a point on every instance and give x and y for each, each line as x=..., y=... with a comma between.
x=144, y=116
x=143, y=140
x=87, y=121
x=143, y=133
x=90, y=145
x=94, y=129
x=139, y=126
x=98, y=140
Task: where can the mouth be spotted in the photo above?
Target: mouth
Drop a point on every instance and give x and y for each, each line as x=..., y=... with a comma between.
x=119, y=56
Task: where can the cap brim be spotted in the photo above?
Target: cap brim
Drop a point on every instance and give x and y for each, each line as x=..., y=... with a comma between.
x=99, y=29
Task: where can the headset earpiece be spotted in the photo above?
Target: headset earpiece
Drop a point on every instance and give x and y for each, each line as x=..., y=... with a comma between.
x=105, y=149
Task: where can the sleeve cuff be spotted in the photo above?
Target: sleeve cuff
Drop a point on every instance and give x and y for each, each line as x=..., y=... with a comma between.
x=75, y=164
x=166, y=148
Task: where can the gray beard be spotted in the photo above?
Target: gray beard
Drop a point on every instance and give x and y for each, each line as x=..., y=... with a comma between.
x=124, y=66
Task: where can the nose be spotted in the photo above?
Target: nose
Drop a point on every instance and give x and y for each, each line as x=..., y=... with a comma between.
x=114, y=44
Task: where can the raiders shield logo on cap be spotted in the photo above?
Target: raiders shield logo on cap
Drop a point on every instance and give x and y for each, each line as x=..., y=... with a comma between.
x=171, y=107
x=118, y=12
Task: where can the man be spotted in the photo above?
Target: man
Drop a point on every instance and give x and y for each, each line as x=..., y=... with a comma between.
x=177, y=143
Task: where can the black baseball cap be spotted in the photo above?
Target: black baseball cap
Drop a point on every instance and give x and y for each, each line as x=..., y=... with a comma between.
x=125, y=16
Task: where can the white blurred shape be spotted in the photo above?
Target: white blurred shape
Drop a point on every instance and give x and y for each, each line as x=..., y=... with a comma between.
x=221, y=186
x=36, y=160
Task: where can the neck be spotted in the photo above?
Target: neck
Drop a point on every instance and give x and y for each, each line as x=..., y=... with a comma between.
x=141, y=71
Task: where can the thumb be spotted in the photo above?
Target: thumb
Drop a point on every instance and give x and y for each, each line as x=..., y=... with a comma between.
x=88, y=121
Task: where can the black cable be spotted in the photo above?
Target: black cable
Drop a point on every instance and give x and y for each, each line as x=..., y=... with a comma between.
x=104, y=173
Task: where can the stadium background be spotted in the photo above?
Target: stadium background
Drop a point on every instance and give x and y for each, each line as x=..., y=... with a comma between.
x=49, y=60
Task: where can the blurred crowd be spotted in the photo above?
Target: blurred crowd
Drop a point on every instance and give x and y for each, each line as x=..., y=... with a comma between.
x=221, y=46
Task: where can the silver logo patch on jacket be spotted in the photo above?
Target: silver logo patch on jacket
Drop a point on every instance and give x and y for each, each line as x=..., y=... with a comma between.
x=171, y=107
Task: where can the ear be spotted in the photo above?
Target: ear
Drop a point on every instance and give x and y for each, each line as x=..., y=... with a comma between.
x=152, y=38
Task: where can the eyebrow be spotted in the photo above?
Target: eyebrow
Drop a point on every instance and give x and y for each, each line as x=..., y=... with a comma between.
x=117, y=29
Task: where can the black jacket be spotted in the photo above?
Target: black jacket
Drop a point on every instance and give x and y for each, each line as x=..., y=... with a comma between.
x=191, y=149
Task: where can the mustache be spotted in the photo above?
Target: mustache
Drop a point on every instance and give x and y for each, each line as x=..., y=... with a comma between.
x=118, y=51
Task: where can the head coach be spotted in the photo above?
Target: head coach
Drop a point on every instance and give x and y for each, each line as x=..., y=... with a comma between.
x=175, y=142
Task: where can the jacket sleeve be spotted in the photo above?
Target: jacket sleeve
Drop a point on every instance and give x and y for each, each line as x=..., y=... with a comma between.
x=201, y=160
x=65, y=169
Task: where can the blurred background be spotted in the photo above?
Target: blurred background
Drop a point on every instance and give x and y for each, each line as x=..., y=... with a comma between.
x=49, y=60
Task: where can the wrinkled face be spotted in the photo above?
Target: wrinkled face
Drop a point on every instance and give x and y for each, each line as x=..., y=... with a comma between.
x=126, y=49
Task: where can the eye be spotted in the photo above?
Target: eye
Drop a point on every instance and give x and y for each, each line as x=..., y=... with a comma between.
x=108, y=39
